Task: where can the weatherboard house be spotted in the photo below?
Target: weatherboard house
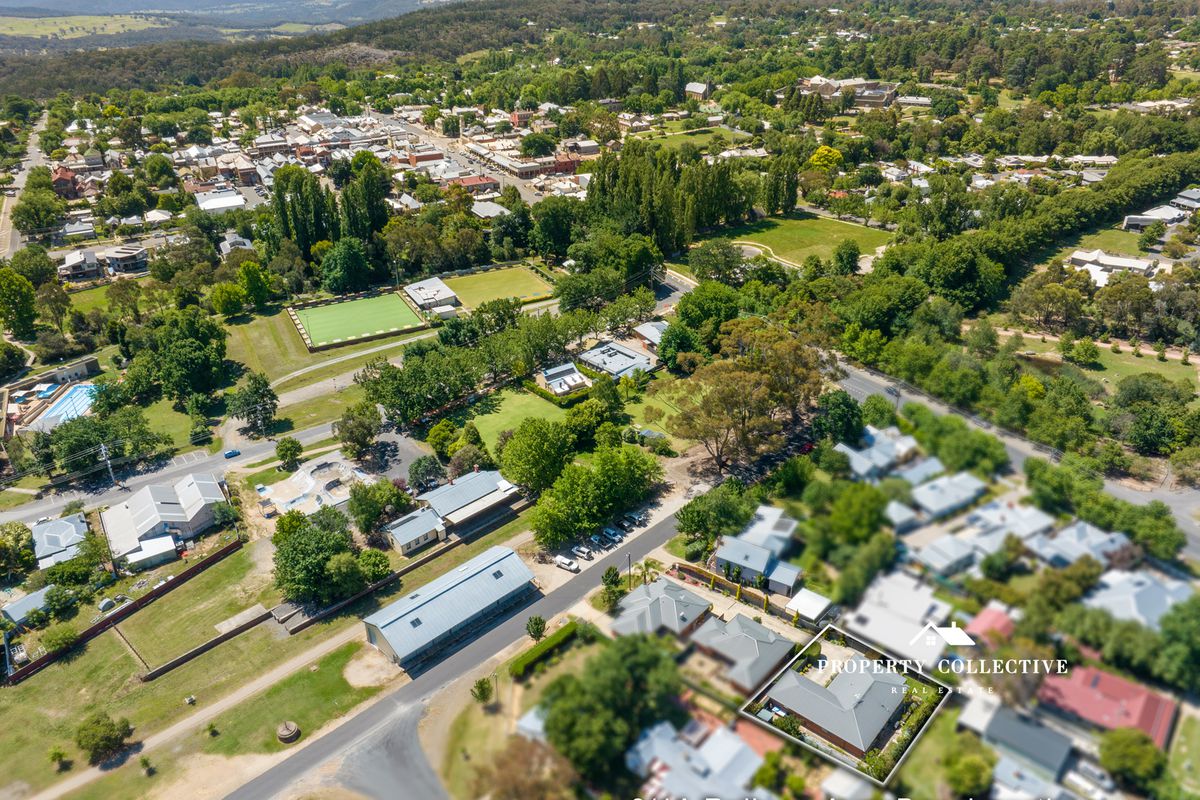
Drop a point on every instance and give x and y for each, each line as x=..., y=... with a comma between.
x=432, y=619
x=146, y=529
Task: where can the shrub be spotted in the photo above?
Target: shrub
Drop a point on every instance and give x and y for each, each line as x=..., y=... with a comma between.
x=60, y=637
x=526, y=661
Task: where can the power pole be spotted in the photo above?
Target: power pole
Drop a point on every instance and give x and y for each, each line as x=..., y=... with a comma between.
x=107, y=462
x=629, y=562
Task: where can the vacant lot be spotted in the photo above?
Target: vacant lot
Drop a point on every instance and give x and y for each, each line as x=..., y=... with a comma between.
x=188, y=616
x=519, y=282
x=1110, y=240
x=797, y=237
x=76, y=26
x=356, y=319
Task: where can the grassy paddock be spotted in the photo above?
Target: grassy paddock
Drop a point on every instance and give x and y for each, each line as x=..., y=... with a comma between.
x=796, y=237
x=520, y=282
x=77, y=26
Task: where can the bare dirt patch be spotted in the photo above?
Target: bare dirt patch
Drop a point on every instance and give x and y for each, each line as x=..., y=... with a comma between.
x=369, y=668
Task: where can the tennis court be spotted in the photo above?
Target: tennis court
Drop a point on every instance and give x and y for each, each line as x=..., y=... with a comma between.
x=352, y=320
x=520, y=282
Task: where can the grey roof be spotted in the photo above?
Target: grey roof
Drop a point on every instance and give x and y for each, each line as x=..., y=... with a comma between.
x=413, y=526
x=900, y=515
x=58, y=540
x=657, y=605
x=411, y=623
x=1076, y=541
x=617, y=360
x=18, y=610
x=431, y=291
x=752, y=650
x=948, y=493
x=1020, y=520
x=1009, y=774
x=1140, y=596
x=784, y=573
x=1028, y=741
x=652, y=331
x=921, y=471
x=723, y=765
x=464, y=490
x=152, y=507
x=745, y=555
x=854, y=706
x=946, y=555
x=486, y=209
x=770, y=529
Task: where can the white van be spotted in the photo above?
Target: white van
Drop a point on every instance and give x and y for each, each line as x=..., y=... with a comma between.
x=565, y=563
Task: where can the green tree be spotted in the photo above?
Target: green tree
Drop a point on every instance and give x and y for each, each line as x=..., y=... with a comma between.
x=53, y=304
x=536, y=454
x=1131, y=757
x=345, y=267
x=482, y=690
x=18, y=303
x=878, y=411
x=425, y=469
x=839, y=417
x=227, y=299
x=343, y=575
x=358, y=429
x=535, y=626
x=553, y=221
x=34, y=264
x=38, y=211
x=16, y=549
x=372, y=504
x=254, y=404
x=303, y=549
x=100, y=736
x=255, y=283
x=288, y=450
x=62, y=636
x=969, y=776
x=537, y=145
x=374, y=564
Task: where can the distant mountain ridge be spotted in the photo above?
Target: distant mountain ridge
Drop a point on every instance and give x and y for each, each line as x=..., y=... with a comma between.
x=259, y=13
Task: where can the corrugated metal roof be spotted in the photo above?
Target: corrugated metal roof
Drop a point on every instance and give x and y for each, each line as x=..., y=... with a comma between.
x=411, y=623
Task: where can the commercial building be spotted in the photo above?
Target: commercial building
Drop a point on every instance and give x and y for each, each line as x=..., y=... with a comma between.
x=431, y=293
x=615, y=360
x=416, y=529
x=468, y=496
x=432, y=619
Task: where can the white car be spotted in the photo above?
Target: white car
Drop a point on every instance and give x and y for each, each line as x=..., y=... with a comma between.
x=582, y=552
x=562, y=562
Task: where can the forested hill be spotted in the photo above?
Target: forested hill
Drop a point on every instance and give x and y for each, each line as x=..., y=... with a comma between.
x=441, y=32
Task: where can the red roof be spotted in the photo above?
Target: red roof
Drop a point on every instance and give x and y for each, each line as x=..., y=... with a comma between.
x=474, y=180
x=1109, y=701
x=991, y=624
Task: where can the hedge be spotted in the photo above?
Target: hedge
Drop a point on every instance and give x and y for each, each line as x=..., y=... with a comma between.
x=526, y=661
x=565, y=401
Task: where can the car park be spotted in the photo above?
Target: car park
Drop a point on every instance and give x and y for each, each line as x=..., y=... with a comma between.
x=562, y=562
x=1096, y=775
x=582, y=552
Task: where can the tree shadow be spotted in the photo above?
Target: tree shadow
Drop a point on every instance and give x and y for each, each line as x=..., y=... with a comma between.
x=121, y=758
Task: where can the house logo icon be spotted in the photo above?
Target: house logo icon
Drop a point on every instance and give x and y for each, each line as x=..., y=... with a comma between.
x=952, y=635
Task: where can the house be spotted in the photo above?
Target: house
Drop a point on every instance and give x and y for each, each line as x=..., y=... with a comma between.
x=18, y=611
x=584, y=147
x=693, y=763
x=994, y=623
x=1076, y=541
x=943, y=496
x=881, y=450
x=854, y=711
x=218, y=201
x=64, y=183
x=660, y=607
x=996, y=521
x=233, y=242
x=750, y=652
x=757, y=552
x=1100, y=265
x=920, y=472
x=1167, y=215
x=146, y=528
x=127, y=258
x=946, y=555
x=429, y=621
x=431, y=293
x=1140, y=596
x=696, y=90
x=842, y=784
x=1108, y=701
x=58, y=540
x=615, y=360
x=487, y=209
x=1041, y=749
x=80, y=265
x=416, y=529
x=564, y=379
x=809, y=605
x=651, y=333
x=468, y=496
x=1187, y=200
x=894, y=612
x=81, y=229
x=476, y=184
x=900, y=517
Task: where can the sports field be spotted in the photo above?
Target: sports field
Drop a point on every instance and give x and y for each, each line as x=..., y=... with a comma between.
x=519, y=282
x=356, y=319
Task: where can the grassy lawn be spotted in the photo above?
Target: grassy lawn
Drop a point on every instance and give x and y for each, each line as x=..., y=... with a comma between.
x=94, y=298
x=163, y=418
x=1185, y=753
x=211, y=597
x=354, y=319
x=701, y=137
x=1115, y=366
x=1110, y=240
x=318, y=410
x=352, y=364
x=517, y=282
x=271, y=344
x=638, y=408
x=505, y=410
x=923, y=775
x=796, y=237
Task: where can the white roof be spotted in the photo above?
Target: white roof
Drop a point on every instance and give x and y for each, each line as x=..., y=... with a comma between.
x=1140, y=596
x=893, y=612
x=808, y=604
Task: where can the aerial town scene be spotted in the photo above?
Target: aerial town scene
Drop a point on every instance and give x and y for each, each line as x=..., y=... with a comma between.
x=610, y=399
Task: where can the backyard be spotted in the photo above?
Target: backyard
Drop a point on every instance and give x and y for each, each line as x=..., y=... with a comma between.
x=923, y=775
x=796, y=237
x=519, y=282
x=504, y=411
x=356, y=319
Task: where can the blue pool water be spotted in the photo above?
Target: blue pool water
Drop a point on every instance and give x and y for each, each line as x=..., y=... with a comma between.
x=74, y=403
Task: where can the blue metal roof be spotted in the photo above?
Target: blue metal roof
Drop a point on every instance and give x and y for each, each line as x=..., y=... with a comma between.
x=19, y=609
x=462, y=491
x=413, y=526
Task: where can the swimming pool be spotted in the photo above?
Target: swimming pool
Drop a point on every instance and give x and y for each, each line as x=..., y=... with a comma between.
x=75, y=402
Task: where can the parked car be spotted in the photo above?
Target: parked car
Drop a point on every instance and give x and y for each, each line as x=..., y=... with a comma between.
x=232, y=453
x=600, y=544
x=562, y=562
x=1096, y=775
x=637, y=518
x=614, y=534
x=582, y=552
x=625, y=524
